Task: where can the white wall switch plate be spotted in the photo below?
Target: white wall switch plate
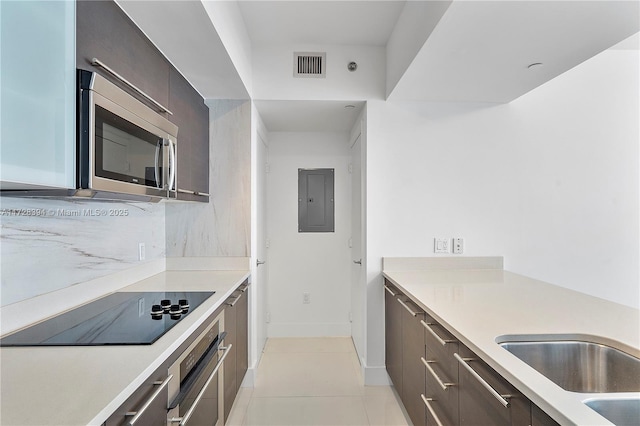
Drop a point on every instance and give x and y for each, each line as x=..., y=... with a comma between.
x=306, y=298
x=141, y=252
x=458, y=245
x=441, y=245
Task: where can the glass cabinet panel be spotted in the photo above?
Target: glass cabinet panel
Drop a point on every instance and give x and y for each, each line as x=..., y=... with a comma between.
x=37, y=81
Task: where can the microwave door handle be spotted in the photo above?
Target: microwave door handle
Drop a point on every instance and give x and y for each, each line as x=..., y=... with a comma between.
x=157, y=165
x=172, y=165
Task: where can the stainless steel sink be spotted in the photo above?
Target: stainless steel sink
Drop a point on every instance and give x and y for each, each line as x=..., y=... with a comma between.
x=619, y=411
x=578, y=366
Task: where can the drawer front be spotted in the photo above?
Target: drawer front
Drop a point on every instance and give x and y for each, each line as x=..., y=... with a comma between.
x=440, y=349
x=478, y=406
x=438, y=414
x=441, y=373
x=155, y=413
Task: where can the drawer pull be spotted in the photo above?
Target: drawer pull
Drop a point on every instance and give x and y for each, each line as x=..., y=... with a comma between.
x=234, y=300
x=438, y=338
x=137, y=414
x=413, y=313
x=442, y=384
x=427, y=402
x=389, y=290
x=501, y=398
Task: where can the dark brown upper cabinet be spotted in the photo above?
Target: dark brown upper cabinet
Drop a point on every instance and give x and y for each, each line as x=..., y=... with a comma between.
x=105, y=32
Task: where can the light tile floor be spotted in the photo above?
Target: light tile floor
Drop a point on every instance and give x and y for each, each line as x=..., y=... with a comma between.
x=314, y=381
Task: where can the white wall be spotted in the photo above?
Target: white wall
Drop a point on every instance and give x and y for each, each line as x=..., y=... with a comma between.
x=274, y=79
x=229, y=24
x=416, y=22
x=315, y=263
x=550, y=181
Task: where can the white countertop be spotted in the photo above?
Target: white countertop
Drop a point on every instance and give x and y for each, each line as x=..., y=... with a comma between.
x=86, y=384
x=480, y=305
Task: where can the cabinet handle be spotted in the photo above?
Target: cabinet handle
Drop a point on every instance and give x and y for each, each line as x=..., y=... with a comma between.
x=234, y=301
x=137, y=414
x=390, y=291
x=443, y=385
x=415, y=314
x=96, y=62
x=438, y=338
x=427, y=402
x=172, y=166
x=186, y=191
x=184, y=419
x=501, y=398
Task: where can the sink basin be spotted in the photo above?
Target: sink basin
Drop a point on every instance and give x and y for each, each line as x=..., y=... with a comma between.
x=619, y=411
x=579, y=366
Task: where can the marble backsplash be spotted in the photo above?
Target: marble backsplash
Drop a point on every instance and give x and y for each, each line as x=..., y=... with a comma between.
x=50, y=244
x=221, y=227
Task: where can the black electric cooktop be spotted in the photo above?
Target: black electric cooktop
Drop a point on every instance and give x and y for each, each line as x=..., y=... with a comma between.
x=121, y=318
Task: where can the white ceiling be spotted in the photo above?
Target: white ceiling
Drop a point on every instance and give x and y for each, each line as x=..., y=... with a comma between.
x=320, y=22
x=478, y=52
x=309, y=116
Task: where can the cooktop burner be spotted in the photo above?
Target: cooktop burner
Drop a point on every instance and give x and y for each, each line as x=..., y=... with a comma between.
x=121, y=318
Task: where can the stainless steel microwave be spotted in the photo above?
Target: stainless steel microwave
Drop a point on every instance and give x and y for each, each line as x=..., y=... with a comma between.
x=124, y=147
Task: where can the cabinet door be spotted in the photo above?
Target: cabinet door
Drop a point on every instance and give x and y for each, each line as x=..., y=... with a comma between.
x=105, y=32
x=413, y=350
x=540, y=418
x=191, y=116
x=230, y=366
x=393, y=336
x=478, y=405
x=37, y=94
x=242, y=328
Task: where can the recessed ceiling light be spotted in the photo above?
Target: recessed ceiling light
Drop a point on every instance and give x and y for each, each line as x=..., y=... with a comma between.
x=349, y=106
x=534, y=65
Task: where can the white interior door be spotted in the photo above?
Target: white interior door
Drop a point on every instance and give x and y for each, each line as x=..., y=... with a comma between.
x=358, y=294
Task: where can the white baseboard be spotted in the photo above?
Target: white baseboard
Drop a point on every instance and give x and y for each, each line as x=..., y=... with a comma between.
x=249, y=380
x=308, y=330
x=376, y=376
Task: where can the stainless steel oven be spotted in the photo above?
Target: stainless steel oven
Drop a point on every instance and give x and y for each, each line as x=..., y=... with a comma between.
x=124, y=146
x=197, y=400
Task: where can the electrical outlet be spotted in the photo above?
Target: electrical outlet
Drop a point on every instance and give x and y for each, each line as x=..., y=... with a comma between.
x=142, y=255
x=306, y=298
x=458, y=245
x=268, y=316
x=441, y=245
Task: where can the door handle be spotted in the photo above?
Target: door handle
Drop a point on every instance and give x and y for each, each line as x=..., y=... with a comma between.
x=260, y=262
x=358, y=262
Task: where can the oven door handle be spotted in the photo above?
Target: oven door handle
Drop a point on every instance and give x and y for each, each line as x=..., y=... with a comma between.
x=184, y=419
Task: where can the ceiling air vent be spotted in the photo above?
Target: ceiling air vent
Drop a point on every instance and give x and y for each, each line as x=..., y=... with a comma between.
x=307, y=64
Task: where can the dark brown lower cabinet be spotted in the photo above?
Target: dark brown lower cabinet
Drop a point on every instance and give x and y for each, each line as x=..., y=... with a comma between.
x=540, y=418
x=486, y=398
x=236, y=326
x=154, y=392
x=413, y=351
x=441, y=375
x=393, y=336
